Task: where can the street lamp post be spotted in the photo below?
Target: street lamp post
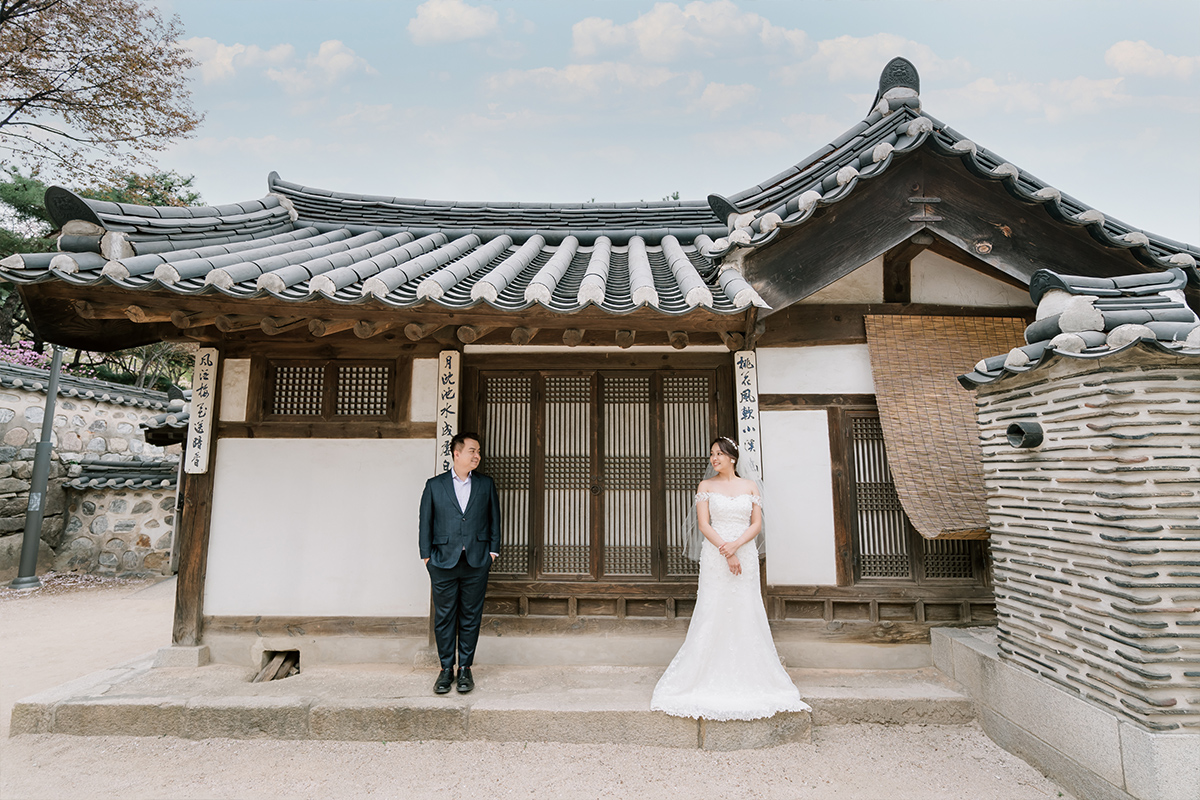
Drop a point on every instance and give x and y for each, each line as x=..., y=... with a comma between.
x=36, y=510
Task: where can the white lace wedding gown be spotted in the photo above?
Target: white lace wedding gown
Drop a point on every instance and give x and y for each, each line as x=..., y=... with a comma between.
x=727, y=667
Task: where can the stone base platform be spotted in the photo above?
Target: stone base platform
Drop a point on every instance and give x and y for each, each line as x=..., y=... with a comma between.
x=1079, y=745
x=368, y=702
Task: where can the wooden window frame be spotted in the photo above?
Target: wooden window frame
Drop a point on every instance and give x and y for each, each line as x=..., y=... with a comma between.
x=267, y=370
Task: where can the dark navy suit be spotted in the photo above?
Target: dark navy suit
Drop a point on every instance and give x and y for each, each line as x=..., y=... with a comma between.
x=458, y=545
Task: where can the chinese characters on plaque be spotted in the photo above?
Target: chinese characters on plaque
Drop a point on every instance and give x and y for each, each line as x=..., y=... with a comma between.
x=201, y=420
x=746, y=391
x=447, y=406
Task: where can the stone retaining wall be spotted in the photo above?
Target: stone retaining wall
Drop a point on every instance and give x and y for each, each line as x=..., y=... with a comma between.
x=91, y=419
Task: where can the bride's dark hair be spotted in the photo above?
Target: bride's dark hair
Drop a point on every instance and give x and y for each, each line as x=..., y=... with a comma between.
x=727, y=447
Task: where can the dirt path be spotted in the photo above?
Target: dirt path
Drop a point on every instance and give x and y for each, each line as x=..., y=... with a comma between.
x=50, y=638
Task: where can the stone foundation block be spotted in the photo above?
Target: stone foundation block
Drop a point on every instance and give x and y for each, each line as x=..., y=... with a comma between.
x=185, y=657
x=120, y=716
x=1163, y=766
x=582, y=727
x=783, y=728
x=855, y=708
x=388, y=720
x=248, y=718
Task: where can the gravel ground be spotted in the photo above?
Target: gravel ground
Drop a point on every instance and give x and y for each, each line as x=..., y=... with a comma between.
x=65, y=631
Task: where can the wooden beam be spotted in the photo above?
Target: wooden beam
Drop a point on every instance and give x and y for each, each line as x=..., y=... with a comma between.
x=625, y=339
x=143, y=316
x=897, y=267
x=326, y=327
x=469, y=334
x=572, y=337
x=678, y=339
x=231, y=323
x=273, y=326
x=752, y=332
x=733, y=340
x=523, y=335
x=416, y=331
x=365, y=328
x=183, y=320
x=193, y=526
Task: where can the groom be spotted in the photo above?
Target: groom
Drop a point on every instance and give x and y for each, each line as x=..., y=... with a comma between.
x=460, y=538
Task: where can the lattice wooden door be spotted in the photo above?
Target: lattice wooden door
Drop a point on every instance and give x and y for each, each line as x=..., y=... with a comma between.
x=595, y=468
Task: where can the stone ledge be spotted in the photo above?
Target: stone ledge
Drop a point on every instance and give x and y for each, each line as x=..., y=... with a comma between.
x=370, y=702
x=1079, y=745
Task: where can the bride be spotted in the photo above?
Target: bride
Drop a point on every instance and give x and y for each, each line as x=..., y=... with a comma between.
x=727, y=667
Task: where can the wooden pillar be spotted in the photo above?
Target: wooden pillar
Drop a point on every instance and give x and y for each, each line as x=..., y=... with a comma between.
x=192, y=527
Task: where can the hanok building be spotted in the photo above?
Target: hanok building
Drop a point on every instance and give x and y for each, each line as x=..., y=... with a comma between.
x=821, y=316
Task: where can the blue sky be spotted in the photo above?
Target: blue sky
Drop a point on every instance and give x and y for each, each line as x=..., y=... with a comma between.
x=575, y=101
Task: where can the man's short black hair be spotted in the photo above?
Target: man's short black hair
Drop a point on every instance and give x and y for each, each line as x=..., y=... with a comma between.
x=461, y=438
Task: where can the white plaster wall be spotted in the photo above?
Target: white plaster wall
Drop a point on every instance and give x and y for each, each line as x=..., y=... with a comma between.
x=798, y=503
x=323, y=527
x=826, y=369
x=423, y=400
x=938, y=280
x=235, y=389
x=863, y=285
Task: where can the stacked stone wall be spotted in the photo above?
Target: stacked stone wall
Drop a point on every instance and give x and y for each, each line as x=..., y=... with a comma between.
x=1095, y=534
x=92, y=420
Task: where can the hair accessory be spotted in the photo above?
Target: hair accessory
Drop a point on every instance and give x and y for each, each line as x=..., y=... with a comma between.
x=731, y=441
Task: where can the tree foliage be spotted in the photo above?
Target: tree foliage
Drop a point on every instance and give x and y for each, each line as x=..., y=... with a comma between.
x=149, y=189
x=88, y=85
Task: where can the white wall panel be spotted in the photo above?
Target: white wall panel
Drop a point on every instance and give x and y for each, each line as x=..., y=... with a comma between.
x=826, y=369
x=423, y=403
x=235, y=389
x=798, y=503
x=938, y=280
x=324, y=527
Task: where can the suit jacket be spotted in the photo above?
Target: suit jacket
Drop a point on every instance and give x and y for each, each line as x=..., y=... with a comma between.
x=446, y=530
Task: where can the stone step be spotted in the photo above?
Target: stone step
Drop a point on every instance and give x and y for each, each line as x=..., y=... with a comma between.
x=391, y=703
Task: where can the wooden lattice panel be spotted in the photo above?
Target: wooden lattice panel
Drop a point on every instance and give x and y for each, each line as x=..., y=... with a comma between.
x=626, y=464
x=566, y=497
x=687, y=411
x=880, y=527
x=299, y=390
x=508, y=429
x=362, y=390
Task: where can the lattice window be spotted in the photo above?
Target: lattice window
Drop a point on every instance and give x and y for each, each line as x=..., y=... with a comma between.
x=362, y=390
x=329, y=390
x=886, y=546
x=299, y=390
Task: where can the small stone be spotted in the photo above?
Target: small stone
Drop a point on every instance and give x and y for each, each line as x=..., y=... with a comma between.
x=164, y=541
x=74, y=524
x=34, y=414
x=168, y=504
x=23, y=470
x=13, y=485
x=142, y=541
x=83, y=545
x=125, y=526
x=6, y=415
x=8, y=453
x=169, y=519
x=124, y=428
x=136, y=445
x=59, y=421
x=77, y=421
x=116, y=545
x=70, y=441
x=67, y=405
x=142, y=507
x=151, y=524
x=98, y=426
x=158, y=562
x=108, y=560
x=117, y=445
x=118, y=506
x=16, y=436
x=97, y=445
x=6, y=470
x=129, y=561
x=99, y=525
x=89, y=507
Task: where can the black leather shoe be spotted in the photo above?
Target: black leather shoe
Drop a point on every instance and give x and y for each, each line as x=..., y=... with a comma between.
x=465, y=682
x=444, y=679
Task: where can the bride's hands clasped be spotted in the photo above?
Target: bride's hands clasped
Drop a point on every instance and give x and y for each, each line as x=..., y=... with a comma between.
x=735, y=566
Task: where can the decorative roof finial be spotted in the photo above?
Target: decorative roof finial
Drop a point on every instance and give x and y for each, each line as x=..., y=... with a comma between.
x=898, y=74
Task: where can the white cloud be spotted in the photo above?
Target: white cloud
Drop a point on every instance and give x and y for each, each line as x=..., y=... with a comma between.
x=854, y=58
x=588, y=82
x=332, y=62
x=442, y=21
x=222, y=61
x=1054, y=100
x=718, y=98
x=669, y=32
x=1141, y=58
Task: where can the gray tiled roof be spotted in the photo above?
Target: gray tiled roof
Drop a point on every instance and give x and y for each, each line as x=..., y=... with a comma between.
x=138, y=473
x=561, y=268
x=896, y=125
x=1085, y=317
x=15, y=376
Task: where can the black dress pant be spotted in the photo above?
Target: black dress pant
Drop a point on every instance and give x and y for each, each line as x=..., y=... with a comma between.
x=458, y=609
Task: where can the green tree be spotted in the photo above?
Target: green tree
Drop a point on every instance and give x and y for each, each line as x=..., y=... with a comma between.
x=150, y=189
x=86, y=85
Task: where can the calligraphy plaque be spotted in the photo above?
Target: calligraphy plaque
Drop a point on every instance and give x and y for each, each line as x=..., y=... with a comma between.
x=447, y=406
x=201, y=418
x=746, y=394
